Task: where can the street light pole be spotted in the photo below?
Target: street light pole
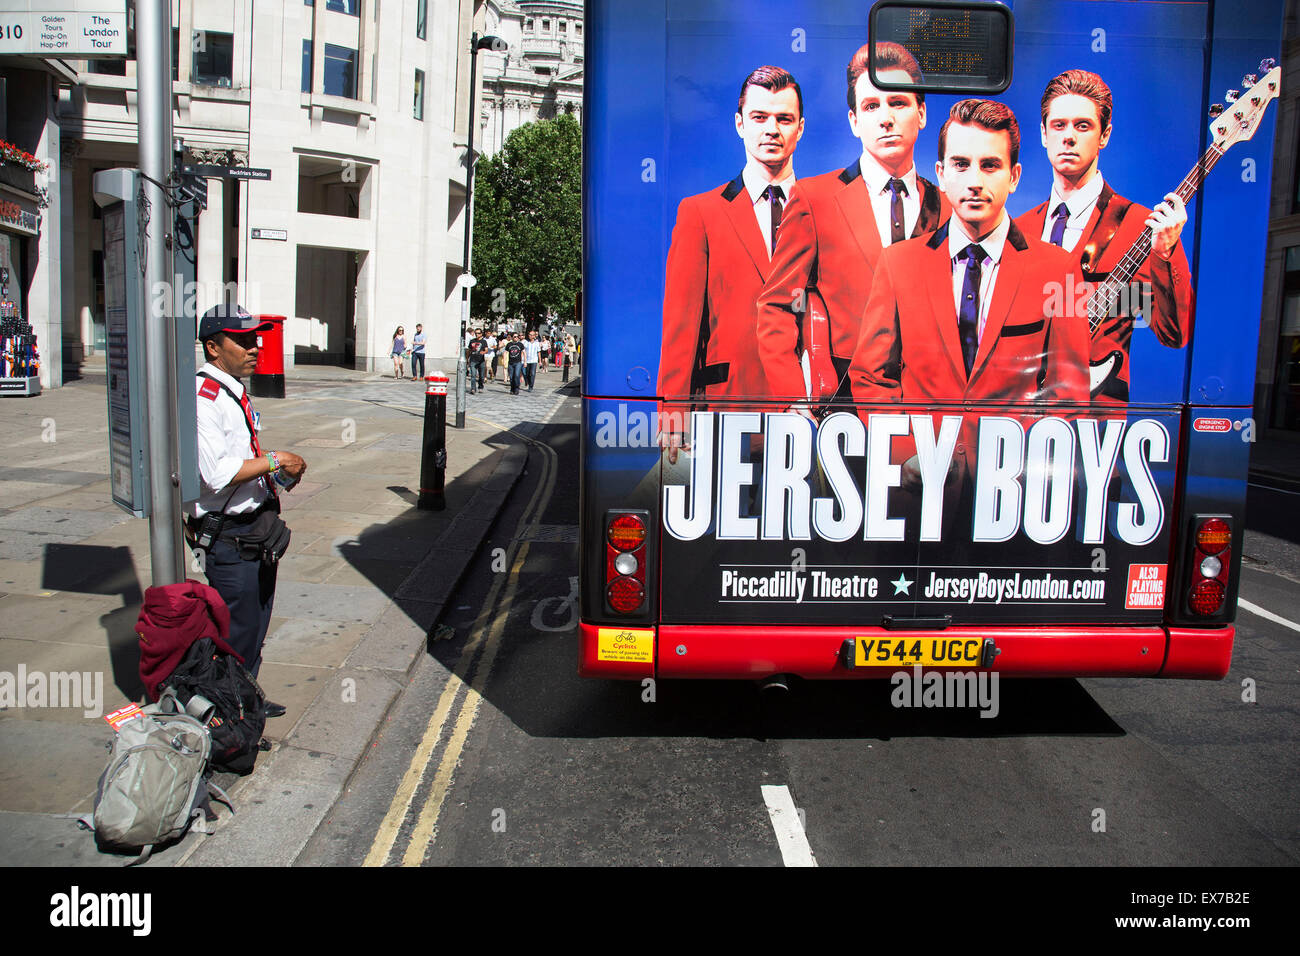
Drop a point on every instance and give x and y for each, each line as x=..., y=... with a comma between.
x=496, y=45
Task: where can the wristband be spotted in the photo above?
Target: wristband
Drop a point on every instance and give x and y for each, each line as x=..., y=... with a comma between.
x=273, y=460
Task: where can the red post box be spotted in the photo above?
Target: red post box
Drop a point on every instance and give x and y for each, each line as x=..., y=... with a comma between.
x=268, y=377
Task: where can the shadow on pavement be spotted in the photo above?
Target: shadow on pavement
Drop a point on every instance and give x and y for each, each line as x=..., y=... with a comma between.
x=388, y=553
x=99, y=569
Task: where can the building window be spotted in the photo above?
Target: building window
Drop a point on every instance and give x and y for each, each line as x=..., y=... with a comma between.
x=340, y=71
x=1286, y=387
x=546, y=26
x=1295, y=194
x=350, y=7
x=419, y=94
x=528, y=24
x=421, y=17
x=306, y=66
x=214, y=58
x=564, y=26
x=577, y=29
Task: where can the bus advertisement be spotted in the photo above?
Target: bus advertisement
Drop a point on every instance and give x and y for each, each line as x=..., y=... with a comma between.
x=884, y=370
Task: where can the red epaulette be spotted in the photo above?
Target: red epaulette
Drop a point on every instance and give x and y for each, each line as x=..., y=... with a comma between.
x=210, y=389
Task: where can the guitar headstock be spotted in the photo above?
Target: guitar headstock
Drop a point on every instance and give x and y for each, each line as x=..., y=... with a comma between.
x=1238, y=122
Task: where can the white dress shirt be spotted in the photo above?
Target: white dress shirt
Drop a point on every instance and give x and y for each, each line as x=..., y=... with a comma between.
x=1079, y=205
x=756, y=186
x=224, y=446
x=992, y=244
x=877, y=179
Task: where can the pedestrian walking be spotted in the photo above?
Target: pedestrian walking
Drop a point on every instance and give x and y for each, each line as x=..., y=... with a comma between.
x=417, y=353
x=515, y=355
x=532, y=349
x=399, y=349
x=475, y=350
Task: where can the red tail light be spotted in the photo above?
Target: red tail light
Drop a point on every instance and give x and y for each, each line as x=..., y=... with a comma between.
x=1211, y=555
x=625, y=560
x=1206, y=597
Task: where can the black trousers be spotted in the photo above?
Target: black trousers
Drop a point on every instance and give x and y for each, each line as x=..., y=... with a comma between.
x=248, y=588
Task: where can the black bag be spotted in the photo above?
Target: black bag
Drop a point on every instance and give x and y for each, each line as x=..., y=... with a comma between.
x=265, y=539
x=239, y=706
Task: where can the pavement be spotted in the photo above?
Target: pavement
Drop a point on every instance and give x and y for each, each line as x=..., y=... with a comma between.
x=364, y=583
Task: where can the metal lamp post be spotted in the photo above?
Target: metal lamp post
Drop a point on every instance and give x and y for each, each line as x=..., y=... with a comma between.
x=496, y=45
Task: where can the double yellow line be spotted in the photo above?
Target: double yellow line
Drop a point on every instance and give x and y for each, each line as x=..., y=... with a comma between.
x=477, y=659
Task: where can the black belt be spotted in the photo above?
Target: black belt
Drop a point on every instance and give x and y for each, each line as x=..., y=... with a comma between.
x=241, y=520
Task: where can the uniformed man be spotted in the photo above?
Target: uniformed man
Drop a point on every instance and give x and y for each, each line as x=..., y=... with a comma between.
x=238, y=478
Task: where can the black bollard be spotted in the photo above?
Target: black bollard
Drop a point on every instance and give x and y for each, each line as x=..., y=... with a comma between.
x=433, y=460
x=565, y=380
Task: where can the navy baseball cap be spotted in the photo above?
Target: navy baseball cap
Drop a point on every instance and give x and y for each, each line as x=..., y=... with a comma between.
x=230, y=318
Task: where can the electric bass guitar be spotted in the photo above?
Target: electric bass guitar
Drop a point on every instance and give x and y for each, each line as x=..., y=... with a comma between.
x=1231, y=125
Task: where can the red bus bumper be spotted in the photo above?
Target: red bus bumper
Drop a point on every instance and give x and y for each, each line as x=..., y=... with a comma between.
x=755, y=652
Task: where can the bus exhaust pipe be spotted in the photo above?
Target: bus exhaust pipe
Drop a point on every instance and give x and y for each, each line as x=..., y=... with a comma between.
x=778, y=685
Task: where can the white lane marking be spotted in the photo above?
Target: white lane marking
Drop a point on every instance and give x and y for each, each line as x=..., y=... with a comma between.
x=1280, y=491
x=1267, y=615
x=790, y=837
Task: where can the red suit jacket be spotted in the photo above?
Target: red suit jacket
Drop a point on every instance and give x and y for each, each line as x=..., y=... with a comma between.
x=1170, y=284
x=910, y=350
x=827, y=242
x=717, y=265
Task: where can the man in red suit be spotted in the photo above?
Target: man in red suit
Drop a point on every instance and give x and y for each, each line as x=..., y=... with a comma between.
x=834, y=229
x=720, y=258
x=1087, y=217
x=964, y=315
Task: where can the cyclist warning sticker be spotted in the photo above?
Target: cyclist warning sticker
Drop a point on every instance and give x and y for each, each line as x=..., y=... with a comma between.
x=1146, y=586
x=634, y=645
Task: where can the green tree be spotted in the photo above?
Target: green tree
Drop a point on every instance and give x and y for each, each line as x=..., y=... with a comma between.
x=528, y=225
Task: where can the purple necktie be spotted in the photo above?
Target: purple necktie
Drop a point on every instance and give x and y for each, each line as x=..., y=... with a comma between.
x=968, y=314
x=899, y=189
x=775, y=194
x=1058, y=226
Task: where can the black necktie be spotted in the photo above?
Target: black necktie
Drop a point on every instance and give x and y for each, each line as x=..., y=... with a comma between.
x=968, y=314
x=899, y=189
x=775, y=194
x=1058, y=226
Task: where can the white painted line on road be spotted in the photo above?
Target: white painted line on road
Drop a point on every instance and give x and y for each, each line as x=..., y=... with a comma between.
x=790, y=837
x=1267, y=615
x=1280, y=491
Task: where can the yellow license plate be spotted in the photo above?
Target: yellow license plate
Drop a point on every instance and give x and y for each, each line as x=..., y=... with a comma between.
x=926, y=651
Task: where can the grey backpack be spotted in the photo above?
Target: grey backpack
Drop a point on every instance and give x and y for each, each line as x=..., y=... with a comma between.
x=157, y=779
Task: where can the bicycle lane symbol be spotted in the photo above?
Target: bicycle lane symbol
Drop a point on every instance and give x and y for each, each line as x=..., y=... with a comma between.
x=565, y=609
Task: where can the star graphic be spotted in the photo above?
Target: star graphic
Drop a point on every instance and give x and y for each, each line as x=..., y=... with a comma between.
x=902, y=586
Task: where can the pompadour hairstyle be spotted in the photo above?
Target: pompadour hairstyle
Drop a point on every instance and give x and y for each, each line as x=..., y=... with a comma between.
x=773, y=79
x=986, y=114
x=889, y=56
x=1080, y=83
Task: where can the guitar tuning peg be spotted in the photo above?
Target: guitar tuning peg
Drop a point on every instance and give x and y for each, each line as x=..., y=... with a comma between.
x=1216, y=110
x=1266, y=65
x=1250, y=79
x=1231, y=95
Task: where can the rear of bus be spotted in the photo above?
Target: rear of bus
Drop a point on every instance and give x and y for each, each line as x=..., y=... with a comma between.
x=1086, y=537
